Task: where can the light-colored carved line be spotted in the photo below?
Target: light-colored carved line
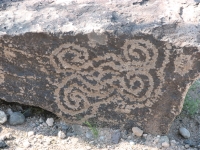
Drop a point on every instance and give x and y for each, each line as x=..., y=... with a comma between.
x=61, y=51
x=124, y=66
x=135, y=45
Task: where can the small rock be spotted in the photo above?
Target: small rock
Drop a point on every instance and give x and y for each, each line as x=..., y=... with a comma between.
x=187, y=146
x=70, y=134
x=3, y=117
x=44, y=124
x=88, y=147
x=137, y=131
x=19, y=107
x=165, y=144
x=132, y=143
x=156, y=140
x=2, y=144
x=9, y=111
x=61, y=134
x=89, y=135
x=124, y=134
x=31, y=133
x=144, y=135
x=64, y=127
x=164, y=139
x=115, y=137
x=91, y=142
x=26, y=144
x=184, y=132
x=48, y=142
x=77, y=129
x=130, y=137
x=189, y=142
x=41, y=120
x=16, y=118
x=6, y=136
x=50, y=122
x=173, y=142
x=28, y=113
x=98, y=146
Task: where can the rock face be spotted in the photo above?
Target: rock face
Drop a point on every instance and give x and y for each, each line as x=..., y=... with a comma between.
x=111, y=67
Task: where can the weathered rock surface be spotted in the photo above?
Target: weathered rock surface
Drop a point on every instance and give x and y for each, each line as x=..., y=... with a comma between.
x=128, y=62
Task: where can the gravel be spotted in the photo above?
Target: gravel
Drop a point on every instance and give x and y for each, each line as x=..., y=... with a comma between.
x=35, y=133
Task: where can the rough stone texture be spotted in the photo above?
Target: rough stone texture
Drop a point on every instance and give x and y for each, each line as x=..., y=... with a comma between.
x=128, y=62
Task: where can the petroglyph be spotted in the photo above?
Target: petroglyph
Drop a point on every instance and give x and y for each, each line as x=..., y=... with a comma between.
x=135, y=79
x=127, y=75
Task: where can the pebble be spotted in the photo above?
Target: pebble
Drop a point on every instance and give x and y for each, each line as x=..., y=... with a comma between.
x=187, y=146
x=173, y=142
x=16, y=118
x=88, y=147
x=124, y=134
x=144, y=135
x=41, y=120
x=165, y=144
x=3, y=117
x=131, y=143
x=156, y=140
x=6, y=136
x=189, y=142
x=91, y=142
x=89, y=135
x=44, y=124
x=164, y=139
x=70, y=134
x=137, y=131
x=9, y=111
x=2, y=144
x=28, y=113
x=130, y=137
x=63, y=126
x=115, y=137
x=31, y=133
x=26, y=144
x=50, y=122
x=61, y=134
x=184, y=132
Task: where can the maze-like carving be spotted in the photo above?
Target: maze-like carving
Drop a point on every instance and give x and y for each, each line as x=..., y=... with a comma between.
x=92, y=81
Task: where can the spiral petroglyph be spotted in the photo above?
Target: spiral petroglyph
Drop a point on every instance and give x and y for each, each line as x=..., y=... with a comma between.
x=98, y=80
x=69, y=56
